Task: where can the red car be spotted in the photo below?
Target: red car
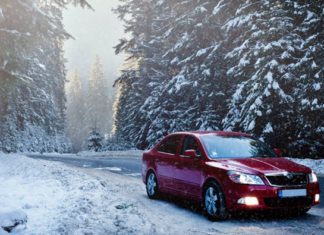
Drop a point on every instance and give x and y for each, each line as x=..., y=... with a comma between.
x=228, y=171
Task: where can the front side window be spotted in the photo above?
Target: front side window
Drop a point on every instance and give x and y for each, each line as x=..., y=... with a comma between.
x=189, y=142
x=235, y=147
x=170, y=145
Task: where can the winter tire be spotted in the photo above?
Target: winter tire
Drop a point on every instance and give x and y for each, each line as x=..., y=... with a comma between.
x=214, y=202
x=152, y=187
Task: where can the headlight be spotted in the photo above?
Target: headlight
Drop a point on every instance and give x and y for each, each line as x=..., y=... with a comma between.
x=242, y=178
x=312, y=177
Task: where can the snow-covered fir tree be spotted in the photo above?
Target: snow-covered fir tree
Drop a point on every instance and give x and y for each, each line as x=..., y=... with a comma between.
x=308, y=94
x=135, y=81
x=178, y=83
x=75, y=112
x=95, y=140
x=98, y=107
x=32, y=76
x=275, y=59
x=39, y=21
x=255, y=64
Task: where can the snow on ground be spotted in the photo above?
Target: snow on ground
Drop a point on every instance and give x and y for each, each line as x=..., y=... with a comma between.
x=61, y=199
x=57, y=200
x=12, y=219
x=316, y=165
x=113, y=154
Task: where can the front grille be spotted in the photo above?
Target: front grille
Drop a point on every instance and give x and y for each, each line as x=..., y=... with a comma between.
x=288, y=202
x=282, y=180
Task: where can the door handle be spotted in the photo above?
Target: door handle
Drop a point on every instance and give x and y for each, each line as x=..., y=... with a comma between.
x=157, y=160
x=176, y=164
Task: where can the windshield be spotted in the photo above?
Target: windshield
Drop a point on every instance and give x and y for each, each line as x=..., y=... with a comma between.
x=235, y=147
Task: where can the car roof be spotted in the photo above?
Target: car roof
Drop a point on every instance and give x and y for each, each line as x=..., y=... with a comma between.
x=200, y=133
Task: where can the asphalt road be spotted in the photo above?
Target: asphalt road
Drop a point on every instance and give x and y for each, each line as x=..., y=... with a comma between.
x=125, y=166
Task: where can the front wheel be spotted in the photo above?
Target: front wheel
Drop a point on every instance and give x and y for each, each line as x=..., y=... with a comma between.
x=214, y=202
x=152, y=187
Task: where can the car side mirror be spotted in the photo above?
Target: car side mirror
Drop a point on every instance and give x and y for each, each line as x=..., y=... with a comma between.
x=190, y=153
x=278, y=152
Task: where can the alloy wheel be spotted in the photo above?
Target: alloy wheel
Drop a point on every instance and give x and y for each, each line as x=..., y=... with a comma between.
x=211, y=199
x=151, y=184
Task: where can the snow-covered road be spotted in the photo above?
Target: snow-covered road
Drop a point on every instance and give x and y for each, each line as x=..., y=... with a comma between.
x=61, y=199
x=125, y=166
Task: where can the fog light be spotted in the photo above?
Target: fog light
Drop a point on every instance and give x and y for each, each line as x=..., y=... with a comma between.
x=317, y=197
x=248, y=201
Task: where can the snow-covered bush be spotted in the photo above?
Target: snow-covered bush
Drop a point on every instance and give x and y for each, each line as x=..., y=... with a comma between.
x=95, y=142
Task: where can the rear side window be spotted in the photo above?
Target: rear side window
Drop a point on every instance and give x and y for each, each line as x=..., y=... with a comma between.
x=190, y=142
x=170, y=144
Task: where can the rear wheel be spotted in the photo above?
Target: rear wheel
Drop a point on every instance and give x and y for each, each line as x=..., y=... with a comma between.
x=152, y=187
x=214, y=202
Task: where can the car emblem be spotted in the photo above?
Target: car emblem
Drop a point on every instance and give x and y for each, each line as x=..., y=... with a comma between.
x=288, y=175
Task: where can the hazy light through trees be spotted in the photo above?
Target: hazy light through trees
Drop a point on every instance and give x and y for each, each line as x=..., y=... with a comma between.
x=94, y=32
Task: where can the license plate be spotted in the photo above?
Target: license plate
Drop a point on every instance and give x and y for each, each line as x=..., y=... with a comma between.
x=292, y=193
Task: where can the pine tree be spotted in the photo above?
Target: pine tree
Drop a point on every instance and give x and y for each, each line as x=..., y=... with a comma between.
x=308, y=127
x=275, y=65
x=178, y=84
x=75, y=112
x=38, y=22
x=197, y=88
x=135, y=82
x=97, y=101
x=95, y=140
x=242, y=65
x=32, y=75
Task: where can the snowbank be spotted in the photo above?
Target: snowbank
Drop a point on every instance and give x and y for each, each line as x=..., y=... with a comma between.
x=57, y=199
x=315, y=165
x=12, y=219
x=114, y=154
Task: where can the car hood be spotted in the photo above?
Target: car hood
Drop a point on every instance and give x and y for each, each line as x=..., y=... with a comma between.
x=262, y=165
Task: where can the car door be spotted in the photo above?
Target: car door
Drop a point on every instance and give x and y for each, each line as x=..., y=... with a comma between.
x=165, y=160
x=187, y=171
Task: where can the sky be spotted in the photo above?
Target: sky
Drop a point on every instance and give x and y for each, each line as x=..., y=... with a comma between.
x=94, y=32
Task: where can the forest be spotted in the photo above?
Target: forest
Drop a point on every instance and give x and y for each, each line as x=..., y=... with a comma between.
x=237, y=65
x=89, y=112
x=32, y=75
x=252, y=66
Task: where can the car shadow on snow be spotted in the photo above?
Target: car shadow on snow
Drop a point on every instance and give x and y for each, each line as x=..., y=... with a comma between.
x=243, y=216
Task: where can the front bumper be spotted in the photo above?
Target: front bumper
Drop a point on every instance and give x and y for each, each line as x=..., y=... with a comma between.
x=268, y=197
